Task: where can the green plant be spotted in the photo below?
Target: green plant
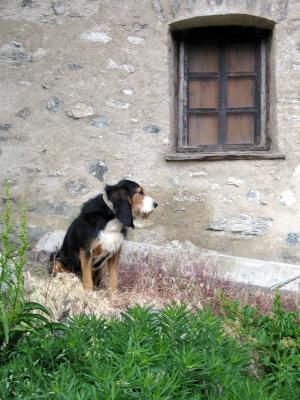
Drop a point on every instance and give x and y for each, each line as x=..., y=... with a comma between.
x=274, y=339
x=17, y=317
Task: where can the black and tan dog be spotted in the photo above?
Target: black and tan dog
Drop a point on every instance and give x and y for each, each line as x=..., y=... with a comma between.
x=95, y=237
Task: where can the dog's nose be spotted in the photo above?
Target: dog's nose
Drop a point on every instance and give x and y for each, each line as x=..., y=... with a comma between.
x=155, y=204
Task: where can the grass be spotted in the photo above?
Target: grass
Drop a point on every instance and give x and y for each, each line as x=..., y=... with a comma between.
x=172, y=353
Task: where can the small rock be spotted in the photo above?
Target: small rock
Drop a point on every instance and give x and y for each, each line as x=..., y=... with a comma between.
x=5, y=127
x=34, y=233
x=74, y=66
x=242, y=224
x=135, y=40
x=121, y=105
x=81, y=110
x=46, y=208
x=235, y=181
x=128, y=92
x=24, y=113
x=14, y=52
x=95, y=36
x=39, y=54
x=152, y=129
x=253, y=196
x=139, y=27
x=58, y=7
x=27, y=3
x=197, y=174
x=215, y=186
x=126, y=67
x=56, y=173
x=76, y=187
x=292, y=239
x=54, y=105
x=98, y=168
x=287, y=198
x=100, y=122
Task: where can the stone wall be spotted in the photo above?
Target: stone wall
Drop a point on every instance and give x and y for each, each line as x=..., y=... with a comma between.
x=87, y=98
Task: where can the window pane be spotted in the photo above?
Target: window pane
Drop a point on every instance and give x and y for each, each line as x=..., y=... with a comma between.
x=202, y=130
x=240, y=128
x=240, y=92
x=203, y=58
x=240, y=57
x=203, y=93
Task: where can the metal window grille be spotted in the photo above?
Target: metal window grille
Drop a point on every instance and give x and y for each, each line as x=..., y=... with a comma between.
x=222, y=90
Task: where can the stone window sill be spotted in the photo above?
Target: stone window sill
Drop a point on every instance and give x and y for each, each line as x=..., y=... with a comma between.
x=230, y=155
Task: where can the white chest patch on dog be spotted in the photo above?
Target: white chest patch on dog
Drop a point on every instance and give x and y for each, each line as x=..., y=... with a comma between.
x=110, y=237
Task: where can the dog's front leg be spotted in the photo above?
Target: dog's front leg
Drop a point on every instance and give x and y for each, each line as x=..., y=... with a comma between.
x=112, y=266
x=86, y=269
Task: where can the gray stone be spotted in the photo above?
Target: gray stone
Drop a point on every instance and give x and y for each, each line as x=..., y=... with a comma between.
x=46, y=208
x=5, y=127
x=152, y=129
x=50, y=241
x=81, y=110
x=292, y=239
x=135, y=40
x=27, y=3
x=121, y=105
x=98, y=168
x=287, y=198
x=253, y=196
x=96, y=36
x=242, y=224
x=39, y=54
x=76, y=187
x=139, y=26
x=24, y=113
x=235, y=181
x=58, y=7
x=54, y=105
x=34, y=233
x=15, y=53
x=100, y=122
x=74, y=66
x=125, y=67
x=128, y=92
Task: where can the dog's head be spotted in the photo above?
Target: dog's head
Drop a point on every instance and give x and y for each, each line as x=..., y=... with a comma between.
x=129, y=201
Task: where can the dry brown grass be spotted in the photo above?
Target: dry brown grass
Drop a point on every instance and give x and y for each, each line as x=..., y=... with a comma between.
x=144, y=280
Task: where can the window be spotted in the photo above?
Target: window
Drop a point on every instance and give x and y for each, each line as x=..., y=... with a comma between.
x=222, y=90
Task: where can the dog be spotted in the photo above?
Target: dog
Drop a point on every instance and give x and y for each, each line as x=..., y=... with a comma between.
x=94, y=239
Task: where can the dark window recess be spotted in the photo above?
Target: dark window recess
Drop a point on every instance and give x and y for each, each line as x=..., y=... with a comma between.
x=222, y=90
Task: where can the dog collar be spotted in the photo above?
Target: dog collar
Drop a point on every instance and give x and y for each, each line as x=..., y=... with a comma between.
x=107, y=202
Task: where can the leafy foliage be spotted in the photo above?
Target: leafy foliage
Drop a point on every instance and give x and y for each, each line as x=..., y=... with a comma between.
x=172, y=353
x=275, y=342
x=17, y=317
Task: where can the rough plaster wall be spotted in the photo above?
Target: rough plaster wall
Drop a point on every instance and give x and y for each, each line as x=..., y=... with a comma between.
x=49, y=63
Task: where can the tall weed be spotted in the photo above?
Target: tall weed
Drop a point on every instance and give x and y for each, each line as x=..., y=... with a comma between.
x=17, y=317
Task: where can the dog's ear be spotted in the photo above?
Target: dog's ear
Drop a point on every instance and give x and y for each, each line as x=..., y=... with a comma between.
x=122, y=209
x=119, y=197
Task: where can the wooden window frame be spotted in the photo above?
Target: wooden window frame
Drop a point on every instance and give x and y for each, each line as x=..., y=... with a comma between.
x=221, y=36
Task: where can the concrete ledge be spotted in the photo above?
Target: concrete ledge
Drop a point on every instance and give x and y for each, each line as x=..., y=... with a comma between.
x=234, y=269
x=179, y=255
